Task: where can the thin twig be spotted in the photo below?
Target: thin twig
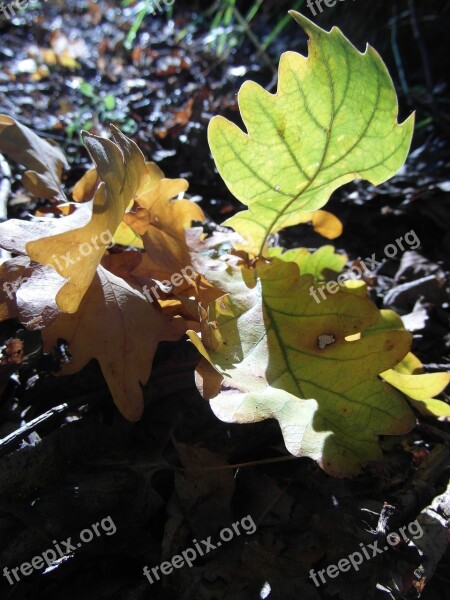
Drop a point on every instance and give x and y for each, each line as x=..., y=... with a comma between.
x=18, y=435
x=423, y=50
x=253, y=463
x=48, y=417
x=393, y=24
x=252, y=37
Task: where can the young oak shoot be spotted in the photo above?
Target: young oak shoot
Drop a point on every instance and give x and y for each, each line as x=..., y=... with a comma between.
x=268, y=350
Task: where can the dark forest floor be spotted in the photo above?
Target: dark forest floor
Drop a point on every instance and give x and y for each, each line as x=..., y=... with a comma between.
x=84, y=462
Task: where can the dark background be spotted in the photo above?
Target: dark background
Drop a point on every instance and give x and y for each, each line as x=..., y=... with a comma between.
x=85, y=462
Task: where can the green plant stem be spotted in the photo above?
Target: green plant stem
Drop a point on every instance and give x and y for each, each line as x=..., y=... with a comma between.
x=254, y=40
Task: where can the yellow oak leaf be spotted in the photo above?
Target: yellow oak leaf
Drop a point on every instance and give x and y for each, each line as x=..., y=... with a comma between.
x=165, y=237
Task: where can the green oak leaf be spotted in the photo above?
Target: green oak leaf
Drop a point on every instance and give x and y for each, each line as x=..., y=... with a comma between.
x=273, y=352
x=316, y=263
x=332, y=120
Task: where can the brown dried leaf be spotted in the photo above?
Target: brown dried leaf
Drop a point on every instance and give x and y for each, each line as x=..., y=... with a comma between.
x=116, y=325
x=80, y=239
x=165, y=237
x=43, y=159
x=28, y=292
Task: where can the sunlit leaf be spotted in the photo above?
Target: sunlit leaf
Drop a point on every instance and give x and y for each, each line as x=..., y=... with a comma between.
x=169, y=217
x=74, y=245
x=409, y=377
x=281, y=355
x=332, y=120
x=312, y=263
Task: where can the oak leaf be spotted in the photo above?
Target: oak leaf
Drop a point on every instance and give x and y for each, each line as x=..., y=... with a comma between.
x=165, y=237
x=317, y=263
x=74, y=245
x=278, y=354
x=43, y=160
x=410, y=378
x=116, y=325
x=332, y=120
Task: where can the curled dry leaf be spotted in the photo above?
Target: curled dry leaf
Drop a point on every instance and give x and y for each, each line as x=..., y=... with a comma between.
x=74, y=245
x=43, y=159
x=127, y=234
x=165, y=237
x=182, y=299
x=84, y=188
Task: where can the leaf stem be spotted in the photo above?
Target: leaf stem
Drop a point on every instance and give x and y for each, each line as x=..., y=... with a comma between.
x=253, y=463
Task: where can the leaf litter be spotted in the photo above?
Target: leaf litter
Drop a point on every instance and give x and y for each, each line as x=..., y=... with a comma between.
x=303, y=515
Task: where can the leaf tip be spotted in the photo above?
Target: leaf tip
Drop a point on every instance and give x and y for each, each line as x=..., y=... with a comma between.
x=85, y=134
x=306, y=24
